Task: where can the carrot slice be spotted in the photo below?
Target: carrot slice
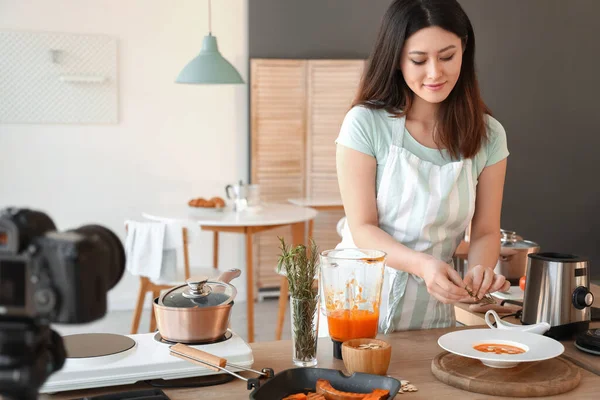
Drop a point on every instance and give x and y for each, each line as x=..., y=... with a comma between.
x=297, y=396
x=330, y=393
x=377, y=394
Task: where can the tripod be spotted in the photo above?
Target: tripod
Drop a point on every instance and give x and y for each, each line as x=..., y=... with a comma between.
x=29, y=352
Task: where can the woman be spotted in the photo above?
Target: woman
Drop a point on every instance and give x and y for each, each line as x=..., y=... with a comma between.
x=418, y=158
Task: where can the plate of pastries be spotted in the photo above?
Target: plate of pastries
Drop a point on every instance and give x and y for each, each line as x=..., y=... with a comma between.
x=214, y=204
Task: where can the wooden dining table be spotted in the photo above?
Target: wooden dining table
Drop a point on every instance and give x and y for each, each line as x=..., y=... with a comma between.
x=321, y=204
x=248, y=222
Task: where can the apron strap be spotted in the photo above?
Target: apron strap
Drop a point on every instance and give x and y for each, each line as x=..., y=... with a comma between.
x=398, y=131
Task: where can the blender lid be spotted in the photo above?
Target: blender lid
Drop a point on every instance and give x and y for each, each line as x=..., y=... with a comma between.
x=355, y=254
x=199, y=293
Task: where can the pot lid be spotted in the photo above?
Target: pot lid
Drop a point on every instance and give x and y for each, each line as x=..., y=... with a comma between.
x=512, y=240
x=200, y=292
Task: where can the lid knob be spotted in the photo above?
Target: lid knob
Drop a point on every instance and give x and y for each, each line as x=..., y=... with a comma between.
x=197, y=287
x=508, y=236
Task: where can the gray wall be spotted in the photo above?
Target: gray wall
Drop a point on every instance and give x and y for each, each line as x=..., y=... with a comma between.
x=539, y=69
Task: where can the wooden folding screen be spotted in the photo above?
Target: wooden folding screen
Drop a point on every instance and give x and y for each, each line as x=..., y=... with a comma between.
x=297, y=107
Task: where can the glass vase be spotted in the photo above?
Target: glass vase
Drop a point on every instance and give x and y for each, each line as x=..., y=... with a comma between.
x=305, y=328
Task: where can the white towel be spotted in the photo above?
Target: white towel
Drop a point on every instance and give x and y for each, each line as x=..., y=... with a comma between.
x=150, y=251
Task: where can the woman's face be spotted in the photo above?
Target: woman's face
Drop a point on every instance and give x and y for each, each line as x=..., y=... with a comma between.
x=430, y=63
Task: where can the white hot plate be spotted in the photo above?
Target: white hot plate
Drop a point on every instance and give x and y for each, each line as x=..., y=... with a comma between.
x=537, y=347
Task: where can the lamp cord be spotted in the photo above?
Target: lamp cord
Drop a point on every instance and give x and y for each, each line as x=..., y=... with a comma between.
x=209, y=25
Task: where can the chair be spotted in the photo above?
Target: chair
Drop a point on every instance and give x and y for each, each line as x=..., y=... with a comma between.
x=146, y=285
x=284, y=288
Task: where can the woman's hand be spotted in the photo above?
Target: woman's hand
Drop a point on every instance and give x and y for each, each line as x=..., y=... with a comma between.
x=443, y=282
x=481, y=280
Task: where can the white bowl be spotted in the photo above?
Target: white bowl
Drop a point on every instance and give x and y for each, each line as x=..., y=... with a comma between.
x=537, y=347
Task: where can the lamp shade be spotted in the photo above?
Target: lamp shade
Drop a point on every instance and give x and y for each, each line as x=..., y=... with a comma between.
x=209, y=66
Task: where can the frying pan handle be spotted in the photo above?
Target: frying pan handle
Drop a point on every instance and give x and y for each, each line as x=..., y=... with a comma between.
x=254, y=383
x=229, y=275
x=192, y=353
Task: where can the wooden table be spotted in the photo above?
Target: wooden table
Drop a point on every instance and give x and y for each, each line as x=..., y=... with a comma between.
x=319, y=204
x=247, y=222
x=412, y=353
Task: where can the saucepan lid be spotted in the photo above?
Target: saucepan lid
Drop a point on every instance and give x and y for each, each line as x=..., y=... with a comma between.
x=510, y=239
x=200, y=292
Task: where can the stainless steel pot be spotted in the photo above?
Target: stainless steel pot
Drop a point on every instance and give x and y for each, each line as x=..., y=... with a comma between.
x=512, y=262
x=198, y=311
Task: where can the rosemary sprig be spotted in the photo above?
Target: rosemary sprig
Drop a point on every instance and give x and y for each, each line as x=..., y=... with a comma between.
x=486, y=299
x=301, y=266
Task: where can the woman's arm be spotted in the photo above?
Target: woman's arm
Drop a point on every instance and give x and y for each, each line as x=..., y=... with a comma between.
x=356, y=173
x=484, y=246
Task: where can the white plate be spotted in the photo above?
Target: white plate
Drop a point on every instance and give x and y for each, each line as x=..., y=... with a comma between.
x=514, y=293
x=537, y=347
x=206, y=211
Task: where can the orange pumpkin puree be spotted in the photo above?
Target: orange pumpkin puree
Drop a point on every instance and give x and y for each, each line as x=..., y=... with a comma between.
x=352, y=324
x=498, y=348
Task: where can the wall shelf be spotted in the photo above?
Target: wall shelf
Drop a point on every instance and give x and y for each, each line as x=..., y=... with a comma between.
x=82, y=78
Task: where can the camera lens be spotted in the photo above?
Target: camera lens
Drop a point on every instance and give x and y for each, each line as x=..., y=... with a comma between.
x=113, y=244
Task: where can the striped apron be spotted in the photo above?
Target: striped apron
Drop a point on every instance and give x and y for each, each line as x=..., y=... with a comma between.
x=427, y=208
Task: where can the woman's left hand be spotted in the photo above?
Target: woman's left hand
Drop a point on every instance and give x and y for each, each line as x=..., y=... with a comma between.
x=481, y=280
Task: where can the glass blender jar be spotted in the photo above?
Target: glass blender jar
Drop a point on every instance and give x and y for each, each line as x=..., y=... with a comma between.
x=351, y=282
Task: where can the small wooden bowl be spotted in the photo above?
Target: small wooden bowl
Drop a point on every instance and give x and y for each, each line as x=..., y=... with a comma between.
x=367, y=360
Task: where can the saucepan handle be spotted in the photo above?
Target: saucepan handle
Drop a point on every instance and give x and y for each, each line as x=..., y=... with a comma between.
x=229, y=275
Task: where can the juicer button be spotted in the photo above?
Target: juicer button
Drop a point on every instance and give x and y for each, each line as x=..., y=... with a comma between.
x=589, y=299
x=582, y=298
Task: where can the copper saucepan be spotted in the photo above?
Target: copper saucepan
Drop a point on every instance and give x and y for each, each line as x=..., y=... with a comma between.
x=198, y=311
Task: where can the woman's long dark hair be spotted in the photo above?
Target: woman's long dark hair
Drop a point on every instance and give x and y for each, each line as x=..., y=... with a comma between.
x=460, y=126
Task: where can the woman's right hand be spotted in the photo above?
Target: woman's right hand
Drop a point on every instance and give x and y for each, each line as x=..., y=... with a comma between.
x=443, y=282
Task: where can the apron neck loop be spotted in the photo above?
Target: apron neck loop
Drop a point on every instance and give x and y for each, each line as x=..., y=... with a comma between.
x=398, y=131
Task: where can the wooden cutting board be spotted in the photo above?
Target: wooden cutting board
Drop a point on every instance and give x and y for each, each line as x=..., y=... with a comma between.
x=532, y=379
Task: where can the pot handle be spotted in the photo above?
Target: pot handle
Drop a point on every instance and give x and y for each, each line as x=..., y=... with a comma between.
x=229, y=275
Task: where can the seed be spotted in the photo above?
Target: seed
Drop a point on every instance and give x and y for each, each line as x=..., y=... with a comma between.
x=411, y=388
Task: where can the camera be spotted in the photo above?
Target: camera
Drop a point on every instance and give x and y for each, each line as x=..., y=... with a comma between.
x=48, y=276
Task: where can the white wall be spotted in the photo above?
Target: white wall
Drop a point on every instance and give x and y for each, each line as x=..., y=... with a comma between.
x=172, y=142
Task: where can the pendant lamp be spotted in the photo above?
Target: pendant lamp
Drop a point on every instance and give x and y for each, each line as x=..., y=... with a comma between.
x=209, y=66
